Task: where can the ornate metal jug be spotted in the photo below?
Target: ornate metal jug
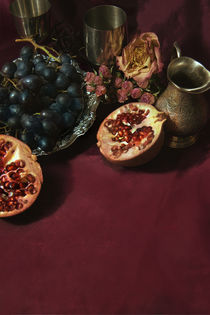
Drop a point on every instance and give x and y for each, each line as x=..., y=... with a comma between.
x=182, y=100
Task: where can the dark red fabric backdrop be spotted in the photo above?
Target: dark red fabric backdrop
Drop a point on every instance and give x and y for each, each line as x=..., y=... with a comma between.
x=107, y=240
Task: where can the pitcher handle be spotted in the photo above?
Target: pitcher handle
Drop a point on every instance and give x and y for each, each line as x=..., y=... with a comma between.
x=176, y=51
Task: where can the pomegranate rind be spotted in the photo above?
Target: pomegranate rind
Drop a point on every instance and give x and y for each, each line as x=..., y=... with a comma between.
x=21, y=151
x=136, y=155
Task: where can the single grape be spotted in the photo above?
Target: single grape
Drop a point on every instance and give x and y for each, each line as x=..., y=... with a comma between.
x=48, y=89
x=24, y=68
x=37, y=59
x=26, y=52
x=3, y=94
x=39, y=67
x=68, y=70
x=25, y=65
x=51, y=115
x=14, y=97
x=68, y=120
x=31, y=122
x=59, y=108
x=14, y=122
x=74, y=90
x=65, y=58
x=49, y=127
x=61, y=82
x=44, y=101
x=4, y=113
x=76, y=105
x=16, y=109
x=8, y=69
x=19, y=74
x=63, y=99
x=28, y=138
x=46, y=143
x=49, y=74
x=25, y=97
x=31, y=82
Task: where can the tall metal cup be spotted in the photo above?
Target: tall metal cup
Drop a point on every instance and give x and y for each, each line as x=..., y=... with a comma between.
x=105, y=33
x=31, y=17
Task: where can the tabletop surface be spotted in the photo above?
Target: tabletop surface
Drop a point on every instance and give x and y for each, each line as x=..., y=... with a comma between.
x=102, y=239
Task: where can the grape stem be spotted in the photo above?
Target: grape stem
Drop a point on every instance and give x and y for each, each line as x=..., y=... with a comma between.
x=36, y=46
x=6, y=80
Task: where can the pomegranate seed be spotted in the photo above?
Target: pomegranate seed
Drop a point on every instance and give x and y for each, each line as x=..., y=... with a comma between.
x=2, y=152
x=3, y=179
x=14, y=176
x=20, y=170
x=2, y=141
x=30, y=178
x=20, y=163
x=19, y=206
x=23, y=184
x=7, y=145
x=20, y=192
x=31, y=189
x=11, y=167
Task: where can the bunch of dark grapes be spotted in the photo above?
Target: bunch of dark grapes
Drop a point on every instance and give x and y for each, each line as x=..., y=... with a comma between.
x=40, y=99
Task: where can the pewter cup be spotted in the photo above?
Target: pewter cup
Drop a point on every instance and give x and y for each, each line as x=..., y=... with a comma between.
x=105, y=32
x=31, y=17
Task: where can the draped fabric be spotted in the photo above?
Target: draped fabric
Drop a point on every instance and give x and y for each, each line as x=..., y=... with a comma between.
x=107, y=240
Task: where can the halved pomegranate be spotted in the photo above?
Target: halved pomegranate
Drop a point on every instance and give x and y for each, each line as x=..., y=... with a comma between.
x=20, y=176
x=132, y=134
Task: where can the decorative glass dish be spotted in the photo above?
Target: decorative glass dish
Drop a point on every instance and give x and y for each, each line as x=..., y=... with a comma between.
x=84, y=121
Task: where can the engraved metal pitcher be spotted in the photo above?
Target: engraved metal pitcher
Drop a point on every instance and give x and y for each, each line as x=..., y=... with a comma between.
x=183, y=102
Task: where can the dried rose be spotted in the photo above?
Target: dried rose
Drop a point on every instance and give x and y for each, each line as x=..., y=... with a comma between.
x=100, y=90
x=90, y=88
x=98, y=80
x=141, y=58
x=105, y=72
x=118, y=82
x=127, y=85
x=147, y=98
x=89, y=77
x=136, y=93
x=122, y=95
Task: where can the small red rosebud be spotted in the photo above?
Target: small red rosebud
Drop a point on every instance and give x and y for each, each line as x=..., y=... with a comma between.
x=127, y=85
x=105, y=72
x=118, y=82
x=90, y=88
x=100, y=90
x=147, y=98
x=98, y=80
x=122, y=95
x=136, y=93
x=90, y=76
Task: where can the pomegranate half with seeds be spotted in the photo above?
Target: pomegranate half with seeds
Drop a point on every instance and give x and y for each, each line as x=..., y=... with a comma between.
x=131, y=135
x=20, y=176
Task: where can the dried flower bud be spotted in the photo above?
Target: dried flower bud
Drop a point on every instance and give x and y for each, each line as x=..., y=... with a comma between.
x=105, y=72
x=90, y=88
x=147, y=98
x=136, y=93
x=122, y=95
x=118, y=82
x=98, y=80
x=89, y=78
x=100, y=90
x=127, y=85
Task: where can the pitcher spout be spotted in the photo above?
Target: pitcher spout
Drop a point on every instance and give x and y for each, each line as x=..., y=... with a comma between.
x=188, y=75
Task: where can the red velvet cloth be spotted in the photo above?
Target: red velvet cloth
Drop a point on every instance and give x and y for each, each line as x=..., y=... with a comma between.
x=107, y=240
